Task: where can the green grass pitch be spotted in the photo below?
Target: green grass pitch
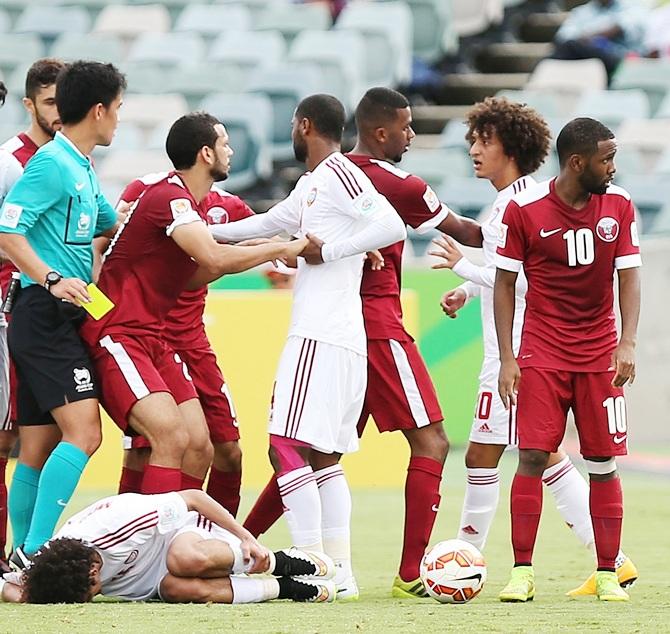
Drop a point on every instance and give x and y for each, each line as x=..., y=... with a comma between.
x=560, y=564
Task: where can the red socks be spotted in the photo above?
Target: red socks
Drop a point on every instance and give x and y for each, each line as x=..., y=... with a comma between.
x=422, y=500
x=266, y=511
x=606, y=502
x=526, y=506
x=224, y=487
x=130, y=481
x=159, y=479
x=3, y=508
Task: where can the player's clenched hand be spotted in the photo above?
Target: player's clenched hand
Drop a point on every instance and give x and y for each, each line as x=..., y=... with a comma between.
x=312, y=252
x=448, y=251
x=452, y=301
x=376, y=260
x=623, y=362
x=71, y=290
x=508, y=382
x=256, y=555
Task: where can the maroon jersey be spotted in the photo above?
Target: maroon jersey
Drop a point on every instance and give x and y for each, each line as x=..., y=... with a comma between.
x=22, y=148
x=184, y=328
x=144, y=270
x=420, y=208
x=569, y=257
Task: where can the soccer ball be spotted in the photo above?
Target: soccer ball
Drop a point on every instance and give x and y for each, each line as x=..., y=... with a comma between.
x=453, y=571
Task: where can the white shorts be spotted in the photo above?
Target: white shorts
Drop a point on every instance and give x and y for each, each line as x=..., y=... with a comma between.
x=318, y=395
x=492, y=424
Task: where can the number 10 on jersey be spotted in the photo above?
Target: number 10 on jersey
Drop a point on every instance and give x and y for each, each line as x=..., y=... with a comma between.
x=581, y=248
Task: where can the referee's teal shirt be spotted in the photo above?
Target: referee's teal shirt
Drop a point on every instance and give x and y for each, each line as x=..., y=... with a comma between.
x=58, y=206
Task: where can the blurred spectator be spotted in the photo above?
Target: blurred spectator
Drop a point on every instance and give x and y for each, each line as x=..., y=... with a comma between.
x=657, y=37
x=605, y=29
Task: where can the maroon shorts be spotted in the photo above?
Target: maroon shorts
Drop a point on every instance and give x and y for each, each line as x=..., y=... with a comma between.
x=213, y=393
x=131, y=368
x=400, y=394
x=543, y=401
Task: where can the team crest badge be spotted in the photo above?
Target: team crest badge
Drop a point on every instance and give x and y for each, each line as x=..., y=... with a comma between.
x=311, y=197
x=217, y=216
x=607, y=229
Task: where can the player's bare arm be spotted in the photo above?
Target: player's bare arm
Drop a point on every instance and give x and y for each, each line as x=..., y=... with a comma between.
x=202, y=503
x=623, y=359
x=503, y=310
x=466, y=230
x=26, y=260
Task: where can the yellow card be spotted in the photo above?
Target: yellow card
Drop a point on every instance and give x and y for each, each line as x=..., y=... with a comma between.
x=99, y=305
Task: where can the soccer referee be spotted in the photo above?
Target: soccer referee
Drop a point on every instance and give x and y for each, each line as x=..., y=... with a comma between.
x=47, y=225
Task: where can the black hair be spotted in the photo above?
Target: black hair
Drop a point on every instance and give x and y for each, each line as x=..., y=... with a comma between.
x=60, y=572
x=81, y=85
x=581, y=136
x=326, y=114
x=41, y=74
x=188, y=135
x=379, y=106
x=3, y=93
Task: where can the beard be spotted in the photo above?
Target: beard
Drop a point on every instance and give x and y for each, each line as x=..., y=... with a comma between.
x=593, y=186
x=300, y=150
x=218, y=174
x=44, y=125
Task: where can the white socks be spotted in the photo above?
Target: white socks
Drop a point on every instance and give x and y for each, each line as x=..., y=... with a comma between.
x=479, y=506
x=254, y=589
x=335, y=516
x=300, y=496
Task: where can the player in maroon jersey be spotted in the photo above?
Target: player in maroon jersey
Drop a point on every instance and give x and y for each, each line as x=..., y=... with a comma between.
x=184, y=332
x=400, y=394
x=570, y=235
x=163, y=248
x=40, y=102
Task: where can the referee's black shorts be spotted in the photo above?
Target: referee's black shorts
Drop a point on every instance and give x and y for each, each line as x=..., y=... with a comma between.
x=52, y=365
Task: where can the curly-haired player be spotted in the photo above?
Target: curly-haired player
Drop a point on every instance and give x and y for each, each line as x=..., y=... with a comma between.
x=179, y=547
x=508, y=141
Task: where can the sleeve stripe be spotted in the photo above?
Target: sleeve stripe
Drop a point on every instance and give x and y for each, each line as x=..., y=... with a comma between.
x=433, y=222
x=344, y=183
x=508, y=264
x=628, y=261
x=347, y=173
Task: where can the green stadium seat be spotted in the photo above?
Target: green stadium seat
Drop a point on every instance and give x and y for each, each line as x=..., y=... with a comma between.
x=542, y=101
x=613, y=106
x=196, y=82
x=13, y=113
x=650, y=193
x=661, y=223
x=105, y=47
x=433, y=29
x=467, y=194
x=649, y=136
x=662, y=166
x=148, y=111
x=168, y=49
x=341, y=56
x=248, y=121
x=387, y=31
x=50, y=22
x=212, y=19
x=663, y=111
x=292, y=19
x=145, y=78
x=5, y=21
x=436, y=165
x=130, y=21
x=16, y=48
x=285, y=84
x=248, y=50
x=453, y=135
x=471, y=17
x=8, y=128
x=650, y=75
x=126, y=165
x=256, y=7
x=128, y=137
x=548, y=169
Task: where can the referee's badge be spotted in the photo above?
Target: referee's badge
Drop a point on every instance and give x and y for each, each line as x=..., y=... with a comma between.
x=10, y=216
x=82, y=379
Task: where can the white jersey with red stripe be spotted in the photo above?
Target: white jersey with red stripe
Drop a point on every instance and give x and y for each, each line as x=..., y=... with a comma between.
x=132, y=534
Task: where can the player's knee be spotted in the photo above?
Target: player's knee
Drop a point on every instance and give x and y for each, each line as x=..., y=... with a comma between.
x=88, y=440
x=7, y=442
x=480, y=456
x=173, y=439
x=533, y=461
x=430, y=441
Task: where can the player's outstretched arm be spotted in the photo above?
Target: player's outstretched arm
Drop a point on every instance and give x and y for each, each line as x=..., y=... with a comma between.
x=623, y=359
x=466, y=230
x=503, y=310
x=202, y=503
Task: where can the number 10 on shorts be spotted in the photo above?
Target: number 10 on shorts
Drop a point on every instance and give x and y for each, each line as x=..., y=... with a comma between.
x=616, y=414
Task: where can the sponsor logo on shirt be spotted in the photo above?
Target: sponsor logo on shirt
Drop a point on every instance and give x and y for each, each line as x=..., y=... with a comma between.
x=132, y=557
x=545, y=234
x=180, y=206
x=607, y=229
x=79, y=186
x=217, y=216
x=311, y=197
x=10, y=215
x=82, y=379
x=431, y=199
x=83, y=225
x=484, y=428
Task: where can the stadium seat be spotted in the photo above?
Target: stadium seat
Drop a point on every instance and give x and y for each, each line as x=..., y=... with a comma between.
x=129, y=21
x=544, y=102
x=145, y=79
x=248, y=50
x=471, y=17
x=16, y=48
x=661, y=223
x=13, y=112
x=662, y=166
x=285, y=84
x=548, y=169
x=5, y=21
x=663, y=111
x=255, y=7
x=340, y=54
x=387, y=30
x=149, y=111
x=105, y=47
x=433, y=29
x=174, y=7
x=453, y=135
x=168, y=49
x=211, y=19
x=467, y=194
x=629, y=160
x=292, y=19
x=248, y=121
x=613, y=106
x=49, y=22
x=650, y=193
x=196, y=82
x=9, y=129
x=650, y=136
x=650, y=75
x=128, y=137
x=436, y=165
x=126, y=165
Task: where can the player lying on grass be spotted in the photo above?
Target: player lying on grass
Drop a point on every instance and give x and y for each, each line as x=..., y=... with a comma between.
x=180, y=547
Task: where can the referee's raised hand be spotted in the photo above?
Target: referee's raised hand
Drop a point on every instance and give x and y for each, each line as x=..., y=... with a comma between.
x=71, y=289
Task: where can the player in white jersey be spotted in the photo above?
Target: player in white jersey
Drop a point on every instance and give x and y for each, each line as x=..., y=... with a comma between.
x=178, y=547
x=508, y=141
x=322, y=374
